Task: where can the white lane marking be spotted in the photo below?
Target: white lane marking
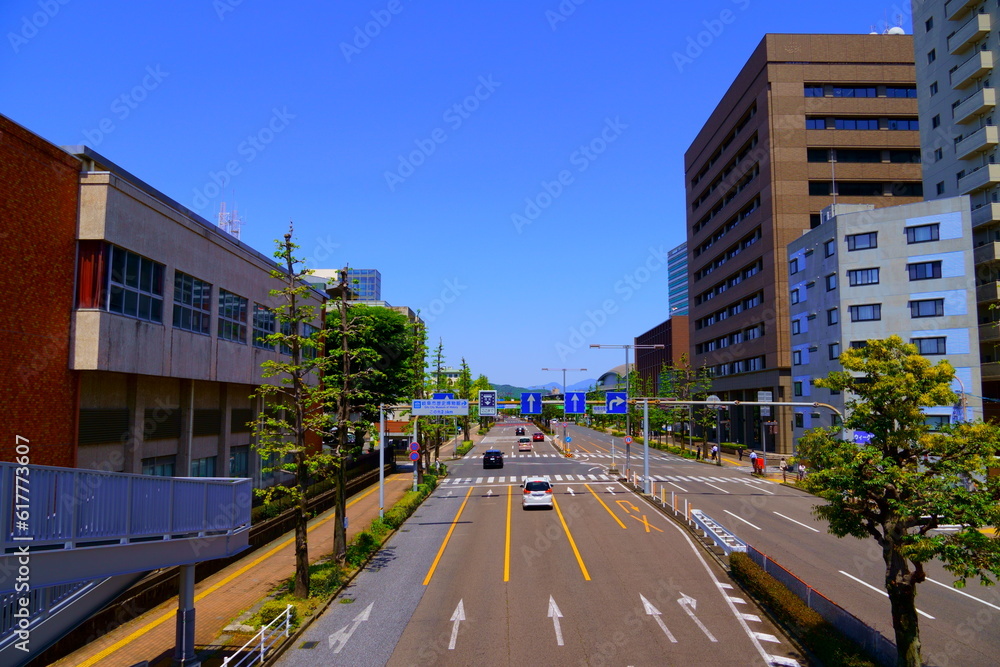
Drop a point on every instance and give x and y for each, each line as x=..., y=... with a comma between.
x=716, y=487
x=756, y=488
x=725, y=585
x=655, y=613
x=751, y=617
x=490, y=480
x=955, y=590
x=798, y=522
x=737, y=600
x=593, y=477
x=555, y=615
x=689, y=604
x=782, y=661
x=502, y=479
x=479, y=480
x=879, y=591
x=457, y=617
x=764, y=637
x=741, y=519
x=678, y=486
x=558, y=478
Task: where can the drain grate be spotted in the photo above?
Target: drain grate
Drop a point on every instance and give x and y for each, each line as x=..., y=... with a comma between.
x=309, y=645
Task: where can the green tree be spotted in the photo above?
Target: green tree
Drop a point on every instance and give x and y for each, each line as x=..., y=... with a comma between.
x=481, y=383
x=909, y=479
x=297, y=404
x=463, y=389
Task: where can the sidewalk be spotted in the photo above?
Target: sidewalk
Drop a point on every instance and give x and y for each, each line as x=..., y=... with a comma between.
x=220, y=598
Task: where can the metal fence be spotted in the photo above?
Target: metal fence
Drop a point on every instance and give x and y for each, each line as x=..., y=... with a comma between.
x=871, y=641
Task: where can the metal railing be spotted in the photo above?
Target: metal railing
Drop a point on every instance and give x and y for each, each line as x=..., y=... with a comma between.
x=256, y=650
x=50, y=507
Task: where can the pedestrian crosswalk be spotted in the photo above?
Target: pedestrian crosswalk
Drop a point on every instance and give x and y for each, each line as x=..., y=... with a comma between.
x=531, y=455
x=505, y=479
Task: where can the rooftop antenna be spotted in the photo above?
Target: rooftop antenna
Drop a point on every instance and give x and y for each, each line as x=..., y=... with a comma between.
x=230, y=221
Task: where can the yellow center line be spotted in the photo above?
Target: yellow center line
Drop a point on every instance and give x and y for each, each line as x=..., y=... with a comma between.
x=613, y=515
x=506, y=551
x=430, y=573
x=583, y=568
x=171, y=615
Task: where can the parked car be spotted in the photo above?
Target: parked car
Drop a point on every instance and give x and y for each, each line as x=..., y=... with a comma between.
x=524, y=444
x=538, y=437
x=537, y=493
x=493, y=458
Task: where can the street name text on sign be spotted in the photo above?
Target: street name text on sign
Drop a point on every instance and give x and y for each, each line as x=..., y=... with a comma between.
x=599, y=409
x=487, y=403
x=440, y=406
x=765, y=397
x=576, y=403
x=617, y=403
x=531, y=403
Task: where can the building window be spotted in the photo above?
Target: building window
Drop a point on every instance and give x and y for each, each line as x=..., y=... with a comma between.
x=797, y=388
x=934, y=88
x=862, y=241
x=858, y=344
x=263, y=326
x=924, y=270
x=161, y=466
x=928, y=24
x=797, y=358
x=232, y=317
x=799, y=420
x=939, y=188
x=814, y=91
x=854, y=92
x=817, y=155
x=931, y=56
x=938, y=154
x=203, y=467
x=834, y=351
x=936, y=422
x=309, y=331
x=903, y=124
x=793, y=266
x=936, y=121
x=930, y=346
x=134, y=283
x=923, y=233
x=239, y=461
x=815, y=123
x=192, y=304
x=796, y=327
x=795, y=296
x=286, y=330
x=927, y=308
x=820, y=188
x=829, y=247
x=855, y=123
x=863, y=277
x=901, y=91
x=866, y=313
x=832, y=316
x=831, y=282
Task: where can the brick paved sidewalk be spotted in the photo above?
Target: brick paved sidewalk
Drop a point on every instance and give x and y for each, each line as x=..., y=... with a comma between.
x=224, y=595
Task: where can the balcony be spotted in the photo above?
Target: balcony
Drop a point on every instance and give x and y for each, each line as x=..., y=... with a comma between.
x=955, y=9
x=989, y=332
x=987, y=293
x=985, y=214
x=973, y=29
x=991, y=371
x=976, y=104
x=983, y=139
x=988, y=252
x=979, y=178
x=973, y=68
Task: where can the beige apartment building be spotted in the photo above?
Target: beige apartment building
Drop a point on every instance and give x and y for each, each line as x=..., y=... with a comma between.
x=811, y=120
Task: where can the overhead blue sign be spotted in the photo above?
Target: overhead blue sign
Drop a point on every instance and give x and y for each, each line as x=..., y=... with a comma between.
x=576, y=403
x=444, y=395
x=531, y=403
x=617, y=402
x=440, y=407
x=487, y=403
x=863, y=437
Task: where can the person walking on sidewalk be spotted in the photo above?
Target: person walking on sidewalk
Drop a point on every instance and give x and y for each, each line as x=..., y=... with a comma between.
x=715, y=452
x=802, y=471
x=739, y=450
x=753, y=462
x=784, y=469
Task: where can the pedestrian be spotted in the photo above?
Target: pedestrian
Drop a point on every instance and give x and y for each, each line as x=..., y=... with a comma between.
x=715, y=452
x=753, y=463
x=739, y=450
x=784, y=469
x=802, y=471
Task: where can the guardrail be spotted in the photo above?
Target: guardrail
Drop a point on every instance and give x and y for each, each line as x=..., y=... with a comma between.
x=256, y=650
x=719, y=535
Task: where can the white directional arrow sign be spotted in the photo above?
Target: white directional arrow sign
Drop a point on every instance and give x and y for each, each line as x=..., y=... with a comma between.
x=555, y=615
x=616, y=401
x=489, y=493
x=344, y=633
x=457, y=618
x=689, y=604
x=531, y=402
x=610, y=489
x=571, y=491
x=655, y=613
x=576, y=402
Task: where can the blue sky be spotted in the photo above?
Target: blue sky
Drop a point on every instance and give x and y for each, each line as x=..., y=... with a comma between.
x=514, y=169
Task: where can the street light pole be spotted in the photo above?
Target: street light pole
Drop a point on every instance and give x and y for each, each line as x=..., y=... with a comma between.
x=565, y=446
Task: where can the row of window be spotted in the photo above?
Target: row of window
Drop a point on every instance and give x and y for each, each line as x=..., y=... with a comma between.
x=819, y=90
x=722, y=203
x=736, y=308
x=735, y=250
x=863, y=155
x=720, y=180
x=740, y=125
x=740, y=366
x=852, y=123
x=868, y=240
x=873, y=312
x=750, y=333
x=732, y=281
x=120, y=281
x=928, y=346
x=915, y=271
x=866, y=188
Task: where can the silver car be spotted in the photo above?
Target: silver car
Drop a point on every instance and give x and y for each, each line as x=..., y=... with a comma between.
x=538, y=492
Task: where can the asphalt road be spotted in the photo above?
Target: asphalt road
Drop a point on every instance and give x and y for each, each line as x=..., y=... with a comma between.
x=959, y=627
x=603, y=579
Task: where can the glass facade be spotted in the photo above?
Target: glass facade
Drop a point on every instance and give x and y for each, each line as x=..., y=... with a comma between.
x=677, y=280
x=365, y=283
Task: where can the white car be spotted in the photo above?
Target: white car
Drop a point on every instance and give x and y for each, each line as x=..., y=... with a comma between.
x=538, y=492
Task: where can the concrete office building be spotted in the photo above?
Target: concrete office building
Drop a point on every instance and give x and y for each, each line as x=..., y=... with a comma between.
x=673, y=336
x=867, y=273
x=956, y=49
x=809, y=119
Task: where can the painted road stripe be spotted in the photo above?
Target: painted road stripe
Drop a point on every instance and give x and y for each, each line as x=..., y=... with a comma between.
x=750, y=617
x=955, y=590
x=741, y=519
x=572, y=543
x=798, y=522
x=715, y=487
x=879, y=591
x=447, y=537
x=764, y=637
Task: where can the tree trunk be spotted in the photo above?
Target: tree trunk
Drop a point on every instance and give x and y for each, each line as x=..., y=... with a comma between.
x=340, y=514
x=301, y=530
x=901, y=585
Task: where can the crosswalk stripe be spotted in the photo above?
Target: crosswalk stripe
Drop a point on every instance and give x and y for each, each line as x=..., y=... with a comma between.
x=490, y=480
x=479, y=480
x=593, y=477
x=559, y=478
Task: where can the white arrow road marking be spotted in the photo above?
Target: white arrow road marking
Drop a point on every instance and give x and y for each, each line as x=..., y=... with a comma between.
x=449, y=494
x=610, y=489
x=456, y=618
x=571, y=492
x=344, y=634
x=689, y=604
x=489, y=493
x=655, y=613
x=555, y=615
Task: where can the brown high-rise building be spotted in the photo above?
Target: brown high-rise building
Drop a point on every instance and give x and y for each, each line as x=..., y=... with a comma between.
x=811, y=120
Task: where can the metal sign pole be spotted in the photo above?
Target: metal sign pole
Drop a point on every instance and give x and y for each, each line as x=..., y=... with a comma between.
x=381, y=461
x=645, y=444
x=416, y=434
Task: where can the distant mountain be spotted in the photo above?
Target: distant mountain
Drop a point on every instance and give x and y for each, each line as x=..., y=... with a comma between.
x=582, y=385
x=509, y=391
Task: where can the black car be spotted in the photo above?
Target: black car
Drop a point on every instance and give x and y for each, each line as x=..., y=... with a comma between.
x=519, y=430
x=493, y=458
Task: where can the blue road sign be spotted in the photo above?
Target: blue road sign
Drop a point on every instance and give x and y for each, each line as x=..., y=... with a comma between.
x=863, y=437
x=617, y=402
x=443, y=395
x=576, y=403
x=487, y=403
x=531, y=403
x=568, y=440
